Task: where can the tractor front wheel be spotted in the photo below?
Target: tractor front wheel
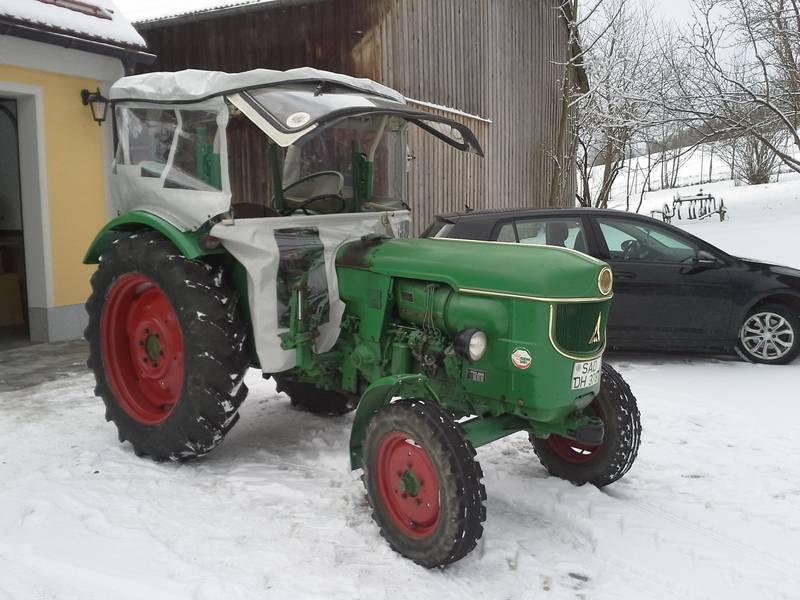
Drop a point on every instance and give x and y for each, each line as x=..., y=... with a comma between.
x=603, y=464
x=167, y=348
x=423, y=483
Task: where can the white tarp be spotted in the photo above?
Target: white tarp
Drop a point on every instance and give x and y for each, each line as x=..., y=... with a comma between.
x=252, y=242
x=194, y=85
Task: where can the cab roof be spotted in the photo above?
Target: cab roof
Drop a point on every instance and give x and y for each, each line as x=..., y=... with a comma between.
x=194, y=85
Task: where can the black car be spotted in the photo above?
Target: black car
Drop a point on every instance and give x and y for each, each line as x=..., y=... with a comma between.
x=672, y=290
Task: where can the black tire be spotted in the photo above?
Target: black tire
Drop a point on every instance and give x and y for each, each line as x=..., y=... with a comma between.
x=305, y=396
x=214, y=360
x=604, y=464
x=772, y=350
x=457, y=485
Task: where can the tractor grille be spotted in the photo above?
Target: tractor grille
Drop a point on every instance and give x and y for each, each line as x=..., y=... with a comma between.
x=574, y=327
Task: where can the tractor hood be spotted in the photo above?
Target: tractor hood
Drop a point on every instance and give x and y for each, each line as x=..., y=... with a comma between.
x=482, y=268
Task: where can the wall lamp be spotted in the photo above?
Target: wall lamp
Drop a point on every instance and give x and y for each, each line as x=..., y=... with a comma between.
x=97, y=103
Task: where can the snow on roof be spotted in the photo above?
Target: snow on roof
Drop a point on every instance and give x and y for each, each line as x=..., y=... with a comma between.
x=193, y=85
x=142, y=11
x=88, y=19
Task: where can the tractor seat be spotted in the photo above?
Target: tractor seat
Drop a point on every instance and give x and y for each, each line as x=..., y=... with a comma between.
x=253, y=210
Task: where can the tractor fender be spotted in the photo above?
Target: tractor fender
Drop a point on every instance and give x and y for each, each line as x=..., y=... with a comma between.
x=379, y=394
x=187, y=242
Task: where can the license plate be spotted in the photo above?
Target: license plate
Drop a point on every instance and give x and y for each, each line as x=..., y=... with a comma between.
x=586, y=374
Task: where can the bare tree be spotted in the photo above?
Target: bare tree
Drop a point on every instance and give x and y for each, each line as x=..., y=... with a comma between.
x=752, y=160
x=625, y=74
x=738, y=76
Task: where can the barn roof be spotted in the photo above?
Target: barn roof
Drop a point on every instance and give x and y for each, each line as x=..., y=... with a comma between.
x=148, y=11
x=97, y=20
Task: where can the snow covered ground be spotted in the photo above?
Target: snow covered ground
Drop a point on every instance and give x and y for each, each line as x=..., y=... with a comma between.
x=711, y=509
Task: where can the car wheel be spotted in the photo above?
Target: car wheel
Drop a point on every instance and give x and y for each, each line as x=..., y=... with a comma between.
x=770, y=335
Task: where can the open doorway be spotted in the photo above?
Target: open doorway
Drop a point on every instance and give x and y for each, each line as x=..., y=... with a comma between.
x=14, y=329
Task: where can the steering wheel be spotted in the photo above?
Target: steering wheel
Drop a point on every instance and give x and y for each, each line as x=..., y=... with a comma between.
x=631, y=249
x=304, y=206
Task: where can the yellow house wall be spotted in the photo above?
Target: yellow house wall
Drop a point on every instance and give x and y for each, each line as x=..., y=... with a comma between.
x=76, y=165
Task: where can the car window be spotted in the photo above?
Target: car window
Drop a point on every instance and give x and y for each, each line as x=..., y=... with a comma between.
x=566, y=233
x=507, y=233
x=644, y=243
x=437, y=229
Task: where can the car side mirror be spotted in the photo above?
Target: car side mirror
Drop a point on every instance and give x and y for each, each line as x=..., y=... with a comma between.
x=706, y=259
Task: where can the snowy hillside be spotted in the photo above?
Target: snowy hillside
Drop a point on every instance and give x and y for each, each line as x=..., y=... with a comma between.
x=709, y=510
x=691, y=167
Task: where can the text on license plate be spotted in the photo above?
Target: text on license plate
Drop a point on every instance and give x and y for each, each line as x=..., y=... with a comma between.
x=586, y=374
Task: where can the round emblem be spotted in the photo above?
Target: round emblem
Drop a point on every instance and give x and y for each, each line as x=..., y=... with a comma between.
x=298, y=119
x=521, y=358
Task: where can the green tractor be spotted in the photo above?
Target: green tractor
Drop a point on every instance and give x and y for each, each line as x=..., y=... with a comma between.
x=291, y=256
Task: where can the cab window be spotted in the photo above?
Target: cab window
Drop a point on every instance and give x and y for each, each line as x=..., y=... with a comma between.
x=322, y=166
x=150, y=133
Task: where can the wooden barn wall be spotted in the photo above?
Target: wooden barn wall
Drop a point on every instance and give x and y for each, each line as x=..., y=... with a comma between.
x=499, y=59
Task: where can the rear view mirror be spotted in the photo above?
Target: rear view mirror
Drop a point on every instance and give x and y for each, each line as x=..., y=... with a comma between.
x=707, y=259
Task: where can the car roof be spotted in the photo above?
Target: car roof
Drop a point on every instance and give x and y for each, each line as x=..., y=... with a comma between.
x=491, y=215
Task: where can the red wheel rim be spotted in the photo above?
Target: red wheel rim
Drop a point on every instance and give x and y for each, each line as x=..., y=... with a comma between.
x=408, y=485
x=142, y=347
x=573, y=452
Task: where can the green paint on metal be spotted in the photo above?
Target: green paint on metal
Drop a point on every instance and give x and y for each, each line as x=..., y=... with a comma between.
x=410, y=484
x=363, y=173
x=482, y=431
x=153, y=347
x=187, y=242
x=492, y=268
x=378, y=395
x=421, y=311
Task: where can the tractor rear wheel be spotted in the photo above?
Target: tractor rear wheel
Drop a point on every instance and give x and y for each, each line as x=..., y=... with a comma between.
x=306, y=396
x=167, y=348
x=607, y=462
x=423, y=483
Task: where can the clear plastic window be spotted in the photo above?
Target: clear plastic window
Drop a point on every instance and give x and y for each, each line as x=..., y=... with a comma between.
x=302, y=264
x=197, y=157
x=324, y=164
x=150, y=133
x=297, y=107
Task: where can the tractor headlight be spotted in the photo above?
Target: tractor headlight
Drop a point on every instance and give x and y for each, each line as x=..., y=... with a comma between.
x=605, y=281
x=470, y=344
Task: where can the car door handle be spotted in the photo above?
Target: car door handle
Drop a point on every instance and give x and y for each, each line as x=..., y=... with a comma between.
x=625, y=275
